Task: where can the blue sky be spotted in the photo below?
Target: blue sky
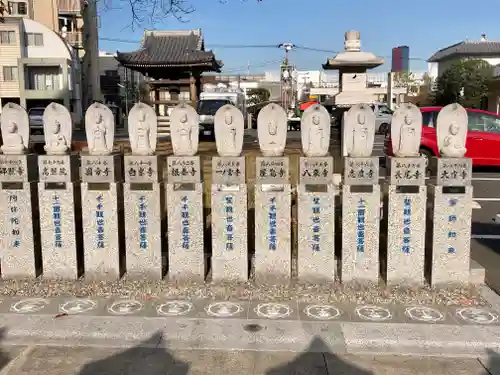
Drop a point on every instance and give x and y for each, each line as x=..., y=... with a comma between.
x=425, y=26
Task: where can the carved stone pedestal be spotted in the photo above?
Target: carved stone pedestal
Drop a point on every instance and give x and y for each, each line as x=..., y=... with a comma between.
x=316, y=220
x=272, y=219
x=229, y=219
x=56, y=194
x=451, y=197
x=360, y=220
x=102, y=196
x=405, y=211
x=184, y=193
x=144, y=205
x=18, y=221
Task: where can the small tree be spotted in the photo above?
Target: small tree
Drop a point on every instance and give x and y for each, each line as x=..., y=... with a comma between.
x=257, y=96
x=465, y=82
x=406, y=80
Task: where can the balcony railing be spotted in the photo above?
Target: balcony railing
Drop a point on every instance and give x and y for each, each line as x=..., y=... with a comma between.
x=69, y=6
x=74, y=38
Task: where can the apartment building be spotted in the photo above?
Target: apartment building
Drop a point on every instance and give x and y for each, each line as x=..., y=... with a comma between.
x=77, y=22
x=37, y=66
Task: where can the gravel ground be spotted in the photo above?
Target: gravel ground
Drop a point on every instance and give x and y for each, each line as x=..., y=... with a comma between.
x=325, y=293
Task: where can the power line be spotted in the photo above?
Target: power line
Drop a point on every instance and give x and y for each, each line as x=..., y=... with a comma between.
x=250, y=46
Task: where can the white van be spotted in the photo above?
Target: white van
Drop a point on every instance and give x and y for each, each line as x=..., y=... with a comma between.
x=211, y=101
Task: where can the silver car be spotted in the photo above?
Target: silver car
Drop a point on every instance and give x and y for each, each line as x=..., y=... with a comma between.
x=383, y=117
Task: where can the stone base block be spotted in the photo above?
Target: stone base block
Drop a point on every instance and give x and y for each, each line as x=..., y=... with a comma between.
x=17, y=258
x=186, y=259
x=451, y=231
x=360, y=234
x=316, y=233
x=143, y=240
x=229, y=233
x=273, y=232
x=101, y=231
x=477, y=273
x=58, y=230
x=406, y=218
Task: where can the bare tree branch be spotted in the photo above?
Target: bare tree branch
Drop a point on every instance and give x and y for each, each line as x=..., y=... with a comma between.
x=155, y=11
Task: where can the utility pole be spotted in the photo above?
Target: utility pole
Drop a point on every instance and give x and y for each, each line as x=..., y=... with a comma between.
x=286, y=77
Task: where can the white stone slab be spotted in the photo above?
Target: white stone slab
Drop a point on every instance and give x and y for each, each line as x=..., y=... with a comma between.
x=360, y=248
x=147, y=168
x=101, y=230
x=316, y=233
x=229, y=233
x=143, y=238
x=406, y=236
x=272, y=232
x=101, y=168
x=17, y=258
x=56, y=168
x=58, y=231
x=186, y=258
x=451, y=231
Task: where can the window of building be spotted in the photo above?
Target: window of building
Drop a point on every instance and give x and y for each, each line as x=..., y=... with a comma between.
x=43, y=78
x=7, y=37
x=17, y=8
x=34, y=39
x=68, y=22
x=10, y=73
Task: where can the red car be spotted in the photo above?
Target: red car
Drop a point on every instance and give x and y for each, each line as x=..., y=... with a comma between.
x=483, y=136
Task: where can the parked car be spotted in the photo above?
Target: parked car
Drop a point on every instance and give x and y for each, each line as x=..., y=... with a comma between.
x=35, y=116
x=483, y=136
x=383, y=117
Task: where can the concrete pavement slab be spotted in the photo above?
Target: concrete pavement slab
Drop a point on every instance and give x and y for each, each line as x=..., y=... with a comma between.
x=420, y=339
x=401, y=365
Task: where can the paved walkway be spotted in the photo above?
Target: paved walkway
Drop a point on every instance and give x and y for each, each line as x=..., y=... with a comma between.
x=44, y=360
x=252, y=325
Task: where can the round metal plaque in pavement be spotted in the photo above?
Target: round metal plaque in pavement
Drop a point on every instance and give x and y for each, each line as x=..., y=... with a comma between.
x=125, y=307
x=174, y=308
x=224, y=309
x=476, y=315
x=29, y=305
x=273, y=310
x=77, y=306
x=322, y=312
x=424, y=314
x=373, y=313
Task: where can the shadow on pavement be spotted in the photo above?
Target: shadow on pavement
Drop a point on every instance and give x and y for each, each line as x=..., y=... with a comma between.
x=318, y=360
x=140, y=359
x=4, y=357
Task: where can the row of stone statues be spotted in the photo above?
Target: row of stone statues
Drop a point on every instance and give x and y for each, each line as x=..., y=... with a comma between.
x=358, y=130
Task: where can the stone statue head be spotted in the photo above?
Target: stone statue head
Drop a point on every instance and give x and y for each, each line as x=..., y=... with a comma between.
x=56, y=127
x=316, y=121
x=454, y=128
x=11, y=127
x=361, y=118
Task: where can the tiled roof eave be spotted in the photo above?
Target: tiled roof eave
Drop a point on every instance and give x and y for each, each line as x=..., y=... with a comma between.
x=167, y=65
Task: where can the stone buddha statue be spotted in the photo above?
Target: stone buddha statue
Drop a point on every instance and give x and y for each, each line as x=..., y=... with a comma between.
x=142, y=136
x=406, y=130
x=315, y=133
x=99, y=146
x=453, y=146
x=451, y=131
x=55, y=143
x=12, y=141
